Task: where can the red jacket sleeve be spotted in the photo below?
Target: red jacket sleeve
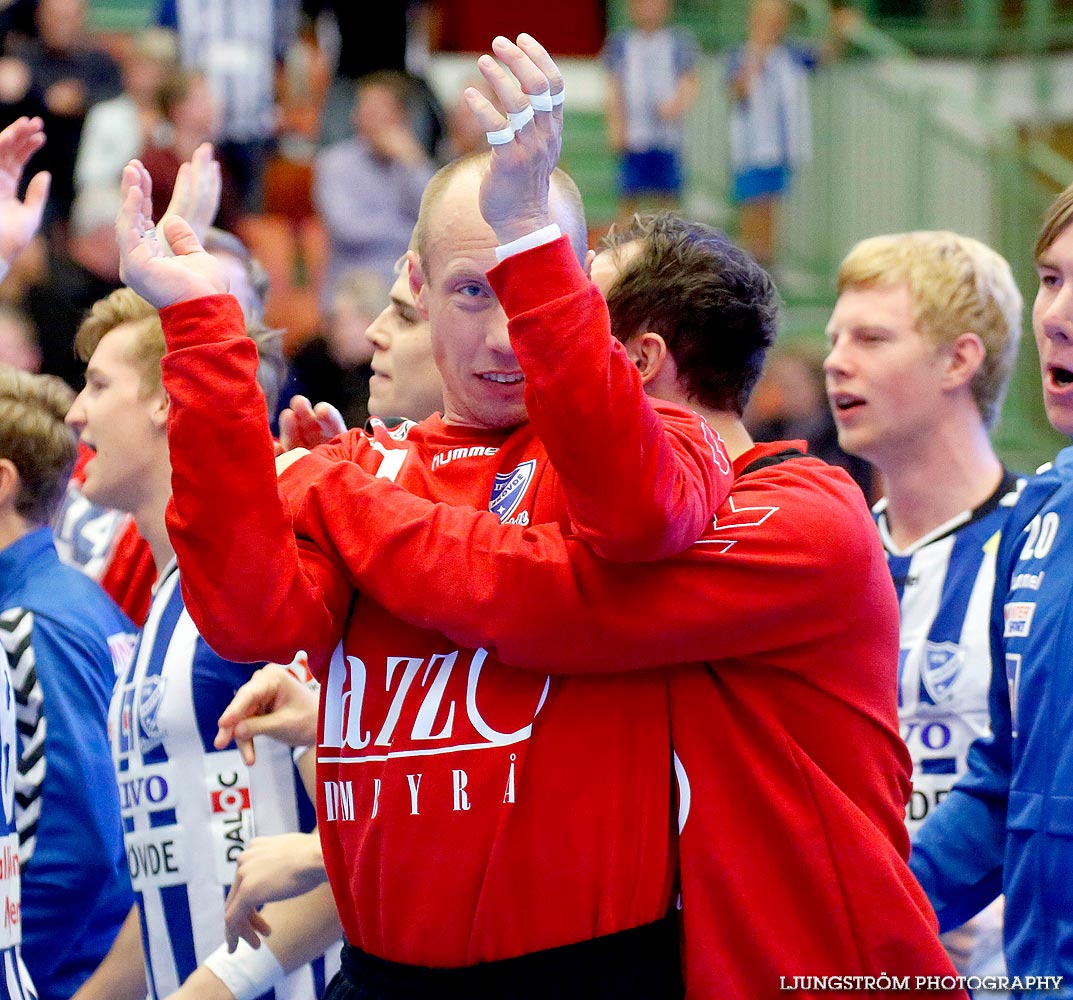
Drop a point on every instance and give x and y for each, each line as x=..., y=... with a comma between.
x=130, y=574
x=642, y=479
x=254, y=590
x=545, y=601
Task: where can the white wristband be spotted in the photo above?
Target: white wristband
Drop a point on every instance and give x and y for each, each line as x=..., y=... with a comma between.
x=4, y=268
x=549, y=234
x=247, y=972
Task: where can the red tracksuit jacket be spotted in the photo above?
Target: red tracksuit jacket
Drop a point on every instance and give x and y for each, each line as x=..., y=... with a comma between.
x=469, y=811
x=779, y=632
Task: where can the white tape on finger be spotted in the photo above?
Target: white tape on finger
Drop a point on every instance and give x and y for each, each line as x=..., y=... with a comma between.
x=557, y=99
x=542, y=101
x=500, y=138
x=519, y=119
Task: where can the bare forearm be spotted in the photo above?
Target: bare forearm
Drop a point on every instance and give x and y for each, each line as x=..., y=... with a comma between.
x=121, y=976
x=303, y=927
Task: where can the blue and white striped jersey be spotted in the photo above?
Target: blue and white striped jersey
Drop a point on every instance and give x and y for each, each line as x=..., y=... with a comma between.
x=188, y=809
x=235, y=43
x=772, y=126
x=15, y=981
x=649, y=66
x=944, y=583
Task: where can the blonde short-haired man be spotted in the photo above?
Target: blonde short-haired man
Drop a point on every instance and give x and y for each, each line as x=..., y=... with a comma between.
x=188, y=810
x=923, y=340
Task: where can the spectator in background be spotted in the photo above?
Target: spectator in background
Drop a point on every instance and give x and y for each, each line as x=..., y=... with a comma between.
x=237, y=45
x=770, y=127
x=118, y=129
x=302, y=85
x=790, y=403
x=367, y=189
x=464, y=132
x=76, y=277
x=654, y=82
x=365, y=39
x=58, y=76
x=191, y=117
x=17, y=18
x=770, y=123
x=334, y=366
x=18, y=340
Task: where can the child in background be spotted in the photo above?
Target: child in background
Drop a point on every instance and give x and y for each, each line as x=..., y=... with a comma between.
x=770, y=126
x=770, y=130
x=654, y=82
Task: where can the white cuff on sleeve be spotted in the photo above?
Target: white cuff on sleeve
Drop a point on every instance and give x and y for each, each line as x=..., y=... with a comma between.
x=549, y=234
x=247, y=972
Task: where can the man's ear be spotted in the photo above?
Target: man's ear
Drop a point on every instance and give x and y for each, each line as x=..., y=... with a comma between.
x=159, y=407
x=9, y=483
x=418, y=284
x=648, y=351
x=966, y=354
